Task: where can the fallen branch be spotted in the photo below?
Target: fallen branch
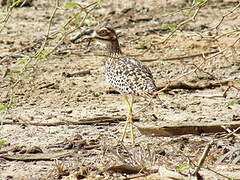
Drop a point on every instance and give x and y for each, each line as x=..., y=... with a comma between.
x=124, y=168
x=181, y=57
x=194, y=86
x=182, y=129
x=232, y=133
x=88, y=121
x=37, y=157
x=75, y=74
x=46, y=86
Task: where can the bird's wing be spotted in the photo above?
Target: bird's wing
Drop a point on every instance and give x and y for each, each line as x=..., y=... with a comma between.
x=137, y=65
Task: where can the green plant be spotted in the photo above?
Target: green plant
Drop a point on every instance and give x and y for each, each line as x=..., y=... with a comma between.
x=183, y=167
x=232, y=102
x=169, y=27
x=3, y=107
x=2, y=142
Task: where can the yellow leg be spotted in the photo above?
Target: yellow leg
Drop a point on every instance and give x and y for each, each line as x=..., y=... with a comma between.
x=129, y=121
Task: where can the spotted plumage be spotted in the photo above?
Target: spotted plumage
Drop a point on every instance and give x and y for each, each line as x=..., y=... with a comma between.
x=130, y=76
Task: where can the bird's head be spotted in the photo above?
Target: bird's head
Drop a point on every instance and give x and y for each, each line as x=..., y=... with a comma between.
x=104, y=34
x=107, y=37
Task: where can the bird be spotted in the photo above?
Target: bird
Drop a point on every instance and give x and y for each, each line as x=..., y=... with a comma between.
x=129, y=76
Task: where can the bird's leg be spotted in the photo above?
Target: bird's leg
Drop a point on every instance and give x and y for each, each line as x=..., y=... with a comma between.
x=129, y=119
x=127, y=122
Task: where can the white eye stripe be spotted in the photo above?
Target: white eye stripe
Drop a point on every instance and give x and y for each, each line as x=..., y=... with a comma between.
x=94, y=33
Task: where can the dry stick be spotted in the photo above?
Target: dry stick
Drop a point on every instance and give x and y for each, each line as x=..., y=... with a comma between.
x=178, y=11
x=227, y=177
x=225, y=92
x=87, y=121
x=94, y=3
x=186, y=21
x=230, y=85
x=71, y=19
x=22, y=71
x=66, y=24
x=235, y=87
x=183, y=75
x=49, y=27
x=37, y=157
x=69, y=32
x=225, y=34
x=220, y=52
x=10, y=100
x=203, y=157
x=200, y=159
x=182, y=153
x=157, y=58
x=232, y=132
x=204, y=60
x=78, y=73
x=5, y=20
x=225, y=15
x=216, y=37
x=179, y=57
x=198, y=68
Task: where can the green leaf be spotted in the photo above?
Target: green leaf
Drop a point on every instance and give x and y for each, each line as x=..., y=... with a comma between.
x=230, y=103
x=183, y=167
x=2, y=142
x=23, y=60
x=11, y=74
x=77, y=18
x=3, y=107
x=199, y=1
x=71, y=4
x=43, y=54
x=169, y=27
x=16, y=3
x=99, y=2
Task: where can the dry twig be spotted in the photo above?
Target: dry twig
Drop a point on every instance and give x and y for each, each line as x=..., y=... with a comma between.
x=37, y=157
x=199, y=6
x=179, y=57
x=88, y=121
x=225, y=15
x=203, y=157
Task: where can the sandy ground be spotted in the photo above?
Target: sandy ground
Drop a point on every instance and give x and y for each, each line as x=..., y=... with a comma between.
x=46, y=94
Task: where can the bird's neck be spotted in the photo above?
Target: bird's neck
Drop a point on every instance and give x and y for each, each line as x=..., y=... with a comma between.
x=113, y=48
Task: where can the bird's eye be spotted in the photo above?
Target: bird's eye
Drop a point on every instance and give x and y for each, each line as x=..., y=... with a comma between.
x=103, y=32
